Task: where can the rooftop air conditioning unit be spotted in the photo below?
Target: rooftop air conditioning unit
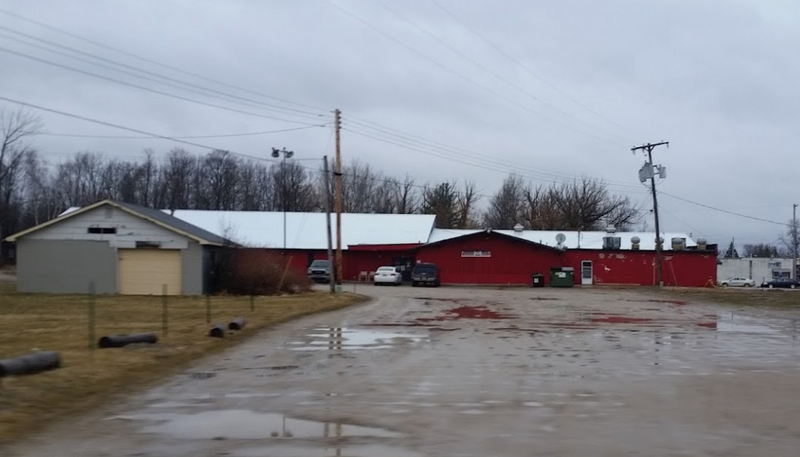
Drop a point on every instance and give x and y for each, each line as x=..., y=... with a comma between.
x=701, y=244
x=612, y=242
x=678, y=244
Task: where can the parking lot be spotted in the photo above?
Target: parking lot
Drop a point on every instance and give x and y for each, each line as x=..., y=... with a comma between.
x=475, y=372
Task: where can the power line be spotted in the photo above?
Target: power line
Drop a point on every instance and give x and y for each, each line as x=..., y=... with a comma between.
x=522, y=65
x=181, y=82
x=130, y=129
x=457, y=154
x=457, y=73
x=158, y=77
x=733, y=213
x=151, y=61
x=148, y=89
x=478, y=64
x=224, y=135
x=484, y=165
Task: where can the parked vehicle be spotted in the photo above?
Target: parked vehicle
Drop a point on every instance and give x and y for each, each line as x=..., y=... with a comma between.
x=738, y=282
x=320, y=271
x=388, y=275
x=425, y=274
x=781, y=283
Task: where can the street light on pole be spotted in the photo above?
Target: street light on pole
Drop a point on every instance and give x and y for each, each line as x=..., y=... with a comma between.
x=284, y=154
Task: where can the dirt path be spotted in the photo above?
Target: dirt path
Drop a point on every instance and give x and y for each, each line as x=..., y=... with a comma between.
x=474, y=372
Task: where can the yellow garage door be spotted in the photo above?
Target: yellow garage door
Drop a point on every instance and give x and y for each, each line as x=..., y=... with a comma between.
x=145, y=271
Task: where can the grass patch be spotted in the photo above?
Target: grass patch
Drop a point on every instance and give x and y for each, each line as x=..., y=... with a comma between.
x=87, y=378
x=738, y=296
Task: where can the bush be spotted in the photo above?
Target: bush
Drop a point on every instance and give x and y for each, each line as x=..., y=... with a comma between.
x=260, y=273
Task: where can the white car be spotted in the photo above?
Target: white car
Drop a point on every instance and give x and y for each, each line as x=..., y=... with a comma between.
x=738, y=282
x=388, y=275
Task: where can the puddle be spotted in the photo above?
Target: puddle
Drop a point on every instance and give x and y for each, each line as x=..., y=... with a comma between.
x=725, y=326
x=334, y=338
x=371, y=450
x=250, y=425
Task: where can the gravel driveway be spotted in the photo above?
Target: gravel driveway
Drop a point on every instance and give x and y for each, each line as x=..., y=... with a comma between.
x=474, y=372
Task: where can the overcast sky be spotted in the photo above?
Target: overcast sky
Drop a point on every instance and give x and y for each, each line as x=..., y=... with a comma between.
x=467, y=90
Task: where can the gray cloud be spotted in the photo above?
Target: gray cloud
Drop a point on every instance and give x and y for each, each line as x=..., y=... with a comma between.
x=716, y=78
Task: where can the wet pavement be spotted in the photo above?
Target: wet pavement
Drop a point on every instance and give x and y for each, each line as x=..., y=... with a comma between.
x=474, y=372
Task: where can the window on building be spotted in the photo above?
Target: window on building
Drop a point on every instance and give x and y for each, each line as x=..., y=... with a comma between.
x=148, y=244
x=476, y=253
x=101, y=230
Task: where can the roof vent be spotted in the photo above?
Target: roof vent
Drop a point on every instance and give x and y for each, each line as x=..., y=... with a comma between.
x=518, y=227
x=611, y=229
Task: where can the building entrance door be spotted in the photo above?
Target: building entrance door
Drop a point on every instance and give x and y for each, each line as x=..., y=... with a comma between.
x=586, y=272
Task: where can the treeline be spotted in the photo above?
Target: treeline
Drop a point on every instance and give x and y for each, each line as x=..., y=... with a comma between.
x=32, y=191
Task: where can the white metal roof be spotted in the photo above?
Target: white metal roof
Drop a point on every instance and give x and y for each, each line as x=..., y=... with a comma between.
x=574, y=239
x=307, y=230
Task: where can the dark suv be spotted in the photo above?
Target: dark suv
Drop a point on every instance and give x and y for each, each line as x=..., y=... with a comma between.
x=320, y=271
x=425, y=274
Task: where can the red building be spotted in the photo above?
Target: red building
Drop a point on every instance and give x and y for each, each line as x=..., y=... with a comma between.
x=464, y=256
x=497, y=257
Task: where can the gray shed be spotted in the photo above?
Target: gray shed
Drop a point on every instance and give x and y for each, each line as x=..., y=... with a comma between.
x=121, y=248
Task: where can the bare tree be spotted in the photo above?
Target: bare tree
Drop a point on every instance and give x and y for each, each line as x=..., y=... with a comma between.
x=16, y=127
x=583, y=204
x=79, y=180
x=293, y=188
x=442, y=200
x=791, y=238
x=507, y=206
x=760, y=250
x=406, y=199
x=176, y=178
x=358, y=187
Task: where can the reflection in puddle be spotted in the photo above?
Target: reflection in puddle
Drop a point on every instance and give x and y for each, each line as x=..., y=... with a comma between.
x=365, y=450
x=727, y=326
x=250, y=425
x=338, y=338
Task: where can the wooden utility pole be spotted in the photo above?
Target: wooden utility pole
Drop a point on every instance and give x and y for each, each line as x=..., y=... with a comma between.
x=338, y=191
x=650, y=174
x=794, y=240
x=331, y=271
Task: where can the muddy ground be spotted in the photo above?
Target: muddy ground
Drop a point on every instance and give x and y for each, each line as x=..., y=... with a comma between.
x=474, y=372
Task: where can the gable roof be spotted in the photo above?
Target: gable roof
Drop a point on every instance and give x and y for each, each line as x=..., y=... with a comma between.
x=157, y=217
x=308, y=230
x=439, y=237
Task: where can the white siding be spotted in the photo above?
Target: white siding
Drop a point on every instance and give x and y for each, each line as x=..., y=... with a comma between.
x=759, y=269
x=130, y=229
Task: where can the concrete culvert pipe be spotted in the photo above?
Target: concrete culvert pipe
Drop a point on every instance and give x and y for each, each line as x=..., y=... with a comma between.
x=217, y=331
x=237, y=324
x=30, y=363
x=118, y=341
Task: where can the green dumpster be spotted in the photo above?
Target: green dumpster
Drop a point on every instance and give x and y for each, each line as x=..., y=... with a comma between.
x=562, y=277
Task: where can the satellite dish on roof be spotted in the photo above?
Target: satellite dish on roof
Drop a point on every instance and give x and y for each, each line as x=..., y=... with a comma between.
x=560, y=238
x=635, y=240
